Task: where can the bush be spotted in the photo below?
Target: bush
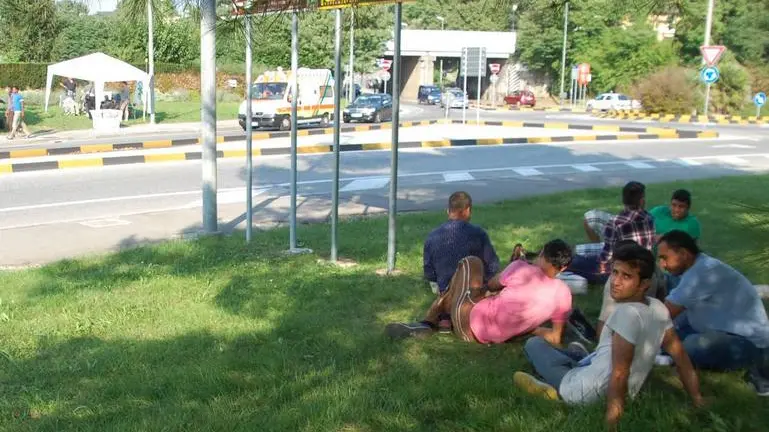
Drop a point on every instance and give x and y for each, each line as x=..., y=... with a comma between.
x=24, y=75
x=669, y=91
x=732, y=91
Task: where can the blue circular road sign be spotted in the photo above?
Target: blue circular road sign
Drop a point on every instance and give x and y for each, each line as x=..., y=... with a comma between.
x=709, y=75
x=759, y=99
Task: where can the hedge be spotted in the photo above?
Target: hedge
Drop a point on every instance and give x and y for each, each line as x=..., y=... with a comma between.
x=33, y=75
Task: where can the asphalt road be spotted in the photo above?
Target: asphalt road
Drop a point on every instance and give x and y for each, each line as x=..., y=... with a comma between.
x=50, y=215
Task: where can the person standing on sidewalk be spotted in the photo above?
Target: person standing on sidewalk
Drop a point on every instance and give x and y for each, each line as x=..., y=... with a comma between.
x=17, y=105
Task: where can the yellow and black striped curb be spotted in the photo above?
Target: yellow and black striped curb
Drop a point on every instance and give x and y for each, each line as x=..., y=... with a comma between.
x=672, y=118
x=326, y=148
x=629, y=130
x=156, y=144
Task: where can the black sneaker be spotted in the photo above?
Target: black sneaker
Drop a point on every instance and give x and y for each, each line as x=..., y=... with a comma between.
x=581, y=327
x=759, y=383
x=406, y=330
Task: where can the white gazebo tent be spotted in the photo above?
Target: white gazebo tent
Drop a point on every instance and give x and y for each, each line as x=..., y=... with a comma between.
x=98, y=68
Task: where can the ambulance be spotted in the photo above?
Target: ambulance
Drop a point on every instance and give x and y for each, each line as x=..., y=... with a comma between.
x=271, y=99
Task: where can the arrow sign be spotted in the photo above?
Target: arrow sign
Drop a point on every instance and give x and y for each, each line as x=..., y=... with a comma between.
x=712, y=53
x=709, y=75
x=759, y=99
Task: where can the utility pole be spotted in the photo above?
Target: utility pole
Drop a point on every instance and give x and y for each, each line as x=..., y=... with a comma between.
x=351, y=95
x=249, y=136
x=708, y=29
x=151, y=59
x=337, y=130
x=392, y=209
x=208, y=113
x=563, y=54
x=443, y=21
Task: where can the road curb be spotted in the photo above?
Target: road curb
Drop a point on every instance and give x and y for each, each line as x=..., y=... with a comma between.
x=628, y=134
x=671, y=118
x=156, y=144
x=530, y=109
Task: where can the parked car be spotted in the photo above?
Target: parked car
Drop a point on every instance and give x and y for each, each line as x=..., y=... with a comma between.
x=613, y=101
x=454, y=98
x=429, y=94
x=521, y=98
x=369, y=108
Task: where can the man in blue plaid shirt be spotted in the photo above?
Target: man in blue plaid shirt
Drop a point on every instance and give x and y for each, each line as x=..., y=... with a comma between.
x=633, y=223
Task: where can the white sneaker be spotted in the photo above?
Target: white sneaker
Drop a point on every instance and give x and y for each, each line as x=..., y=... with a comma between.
x=663, y=360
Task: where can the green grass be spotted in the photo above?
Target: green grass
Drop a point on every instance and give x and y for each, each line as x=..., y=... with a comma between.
x=167, y=112
x=214, y=335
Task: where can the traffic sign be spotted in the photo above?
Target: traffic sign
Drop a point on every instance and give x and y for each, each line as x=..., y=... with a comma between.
x=710, y=75
x=338, y=4
x=759, y=99
x=583, y=73
x=384, y=63
x=383, y=75
x=494, y=68
x=712, y=53
x=473, y=61
x=494, y=78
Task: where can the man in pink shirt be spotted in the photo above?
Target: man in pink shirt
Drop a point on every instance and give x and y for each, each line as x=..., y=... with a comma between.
x=516, y=302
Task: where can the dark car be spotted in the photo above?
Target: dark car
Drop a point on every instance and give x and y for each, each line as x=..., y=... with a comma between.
x=369, y=108
x=429, y=95
x=521, y=98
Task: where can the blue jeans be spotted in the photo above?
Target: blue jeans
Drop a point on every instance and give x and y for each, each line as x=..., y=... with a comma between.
x=551, y=363
x=587, y=267
x=717, y=350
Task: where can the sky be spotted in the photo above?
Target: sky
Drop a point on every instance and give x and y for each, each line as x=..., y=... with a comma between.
x=101, y=5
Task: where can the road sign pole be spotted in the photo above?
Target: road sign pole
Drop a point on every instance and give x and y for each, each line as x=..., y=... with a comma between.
x=292, y=242
x=563, y=53
x=351, y=95
x=208, y=114
x=337, y=123
x=478, y=95
x=393, y=208
x=249, y=136
x=707, y=99
x=464, y=72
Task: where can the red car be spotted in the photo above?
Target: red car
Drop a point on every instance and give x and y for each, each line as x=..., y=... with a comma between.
x=521, y=98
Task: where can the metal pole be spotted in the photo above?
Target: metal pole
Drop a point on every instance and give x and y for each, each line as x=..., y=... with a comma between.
x=563, y=53
x=351, y=95
x=571, y=92
x=465, y=98
x=249, y=137
x=294, y=102
x=478, y=96
x=151, y=59
x=337, y=123
x=208, y=112
x=393, y=207
x=440, y=80
x=708, y=29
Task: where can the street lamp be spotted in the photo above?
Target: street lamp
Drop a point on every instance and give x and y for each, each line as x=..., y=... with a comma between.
x=443, y=21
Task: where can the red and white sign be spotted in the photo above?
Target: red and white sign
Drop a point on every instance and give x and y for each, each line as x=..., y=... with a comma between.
x=495, y=67
x=711, y=54
x=385, y=64
x=583, y=73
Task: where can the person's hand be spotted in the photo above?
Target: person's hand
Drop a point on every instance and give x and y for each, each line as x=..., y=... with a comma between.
x=551, y=337
x=699, y=402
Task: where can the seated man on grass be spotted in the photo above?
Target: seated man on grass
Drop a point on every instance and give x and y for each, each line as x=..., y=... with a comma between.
x=717, y=311
x=626, y=351
x=527, y=296
x=456, y=239
x=676, y=216
x=633, y=223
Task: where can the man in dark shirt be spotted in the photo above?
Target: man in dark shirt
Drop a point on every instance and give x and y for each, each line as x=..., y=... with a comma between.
x=454, y=240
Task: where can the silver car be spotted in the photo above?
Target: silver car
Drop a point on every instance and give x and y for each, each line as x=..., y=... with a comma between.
x=454, y=98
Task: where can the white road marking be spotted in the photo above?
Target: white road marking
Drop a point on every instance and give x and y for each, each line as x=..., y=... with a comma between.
x=105, y=223
x=735, y=160
x=688, y=162
x=527, y=172
x=740, y=146
x=366, y=184
x=639, y=165
x=586, y=168
x=452, y=177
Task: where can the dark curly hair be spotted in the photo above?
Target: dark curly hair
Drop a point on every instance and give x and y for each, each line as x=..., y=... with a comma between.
x=558, y=253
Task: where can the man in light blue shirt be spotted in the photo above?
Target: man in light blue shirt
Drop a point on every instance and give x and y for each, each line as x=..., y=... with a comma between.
x=17, y=106
x=718, y=313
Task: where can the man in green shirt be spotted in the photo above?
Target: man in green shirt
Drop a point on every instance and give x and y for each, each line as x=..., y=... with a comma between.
x=676, y=216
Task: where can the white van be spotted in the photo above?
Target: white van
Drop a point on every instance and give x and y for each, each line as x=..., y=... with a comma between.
x=271, y=99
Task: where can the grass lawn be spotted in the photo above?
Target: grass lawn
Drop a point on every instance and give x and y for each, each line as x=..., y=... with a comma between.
x=167, y=112
x=216, y=335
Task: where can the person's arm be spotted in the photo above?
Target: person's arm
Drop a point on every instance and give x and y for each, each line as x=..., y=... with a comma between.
x=674, y=309
x=490, y=258
x=622, y=352
x=610, y=235
x=673, y=346
x=554, y=335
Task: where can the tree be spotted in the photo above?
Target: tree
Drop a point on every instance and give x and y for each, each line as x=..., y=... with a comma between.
x=28, y=30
